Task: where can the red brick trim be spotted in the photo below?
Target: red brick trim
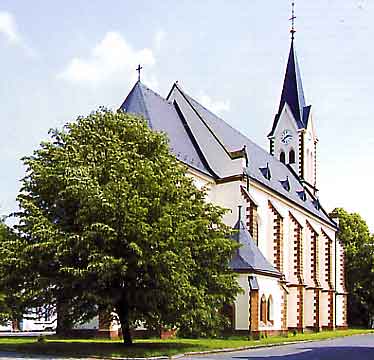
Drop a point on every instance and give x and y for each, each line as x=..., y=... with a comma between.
x=301, y=154
x=284, y=300
x=342, y=270
x=328, y=260
x=344, y=318
x=330, y=309
x=314, y=255
x=277, y=237
x=254, y=311
x=297, y=249
x=300, y=307
x=251, y=215
x=316, y=310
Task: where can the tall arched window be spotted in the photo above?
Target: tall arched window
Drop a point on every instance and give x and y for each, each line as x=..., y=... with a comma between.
x=270, y=315
x=291, y=157
x=263, y=309
x=282, y=157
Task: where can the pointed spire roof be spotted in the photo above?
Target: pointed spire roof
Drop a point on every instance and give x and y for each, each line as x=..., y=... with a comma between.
x=293, y=93
x=248, y=257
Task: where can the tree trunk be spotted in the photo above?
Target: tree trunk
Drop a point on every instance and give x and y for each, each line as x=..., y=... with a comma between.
x=64, y=325
x=123, y=314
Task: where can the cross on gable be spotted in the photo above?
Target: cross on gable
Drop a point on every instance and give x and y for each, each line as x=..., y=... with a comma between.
x=138, y=69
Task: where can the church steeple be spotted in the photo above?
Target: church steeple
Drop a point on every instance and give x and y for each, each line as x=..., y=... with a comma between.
x=293, y=93
x=292, y=138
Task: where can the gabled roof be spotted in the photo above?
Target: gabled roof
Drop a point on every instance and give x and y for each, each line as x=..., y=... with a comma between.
x=260, y=160
x=222, y=161
x=204, y=141
x=248, y=257
x=293, y=94
x=162, y=115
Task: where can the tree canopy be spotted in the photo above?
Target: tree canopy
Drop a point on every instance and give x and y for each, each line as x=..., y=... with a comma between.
x=10, y=306
x=359, y=266
x=109, y=220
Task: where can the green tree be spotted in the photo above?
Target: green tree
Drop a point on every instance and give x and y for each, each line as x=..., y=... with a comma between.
x=110, y=221
x=359, y=266
x=10, y=306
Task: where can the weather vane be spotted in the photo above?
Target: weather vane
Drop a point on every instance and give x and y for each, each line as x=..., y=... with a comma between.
x=138, y=69
x=292, y=18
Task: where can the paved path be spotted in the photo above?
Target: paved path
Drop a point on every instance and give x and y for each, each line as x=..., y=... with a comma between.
x=360, y=347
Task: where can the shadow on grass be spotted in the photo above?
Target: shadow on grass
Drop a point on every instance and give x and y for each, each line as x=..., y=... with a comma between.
x=77, y=348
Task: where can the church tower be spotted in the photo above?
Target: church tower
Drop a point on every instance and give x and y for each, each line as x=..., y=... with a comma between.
x=293, y=139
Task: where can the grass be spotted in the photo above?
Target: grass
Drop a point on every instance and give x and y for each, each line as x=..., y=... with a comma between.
x=151, y=347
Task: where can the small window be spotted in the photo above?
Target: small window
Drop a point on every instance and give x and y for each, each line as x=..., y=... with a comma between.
x=291, y=157
x=282, y=157
x=263, y=309
x=270, y=309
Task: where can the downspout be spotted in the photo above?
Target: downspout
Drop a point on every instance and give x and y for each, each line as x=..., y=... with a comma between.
x=336, y=289
x=335, y=268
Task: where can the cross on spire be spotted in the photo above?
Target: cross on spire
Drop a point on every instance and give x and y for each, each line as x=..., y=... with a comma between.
x=138, y=69
x=292, y=19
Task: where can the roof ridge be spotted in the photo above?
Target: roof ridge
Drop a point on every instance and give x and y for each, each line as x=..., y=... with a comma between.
x=140, y=85
x=187, y=97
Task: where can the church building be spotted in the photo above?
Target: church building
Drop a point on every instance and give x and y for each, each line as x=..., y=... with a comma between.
x=290, y=263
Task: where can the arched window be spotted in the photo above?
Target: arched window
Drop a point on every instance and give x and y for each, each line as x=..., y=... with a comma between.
x=291, y=157
x=270, y=315
x=282, y=157
x=263, y=309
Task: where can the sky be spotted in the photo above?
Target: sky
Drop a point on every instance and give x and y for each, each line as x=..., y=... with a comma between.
x=60, y=60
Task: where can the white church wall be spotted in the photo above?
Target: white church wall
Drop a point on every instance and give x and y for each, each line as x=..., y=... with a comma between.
x=200, y=180
x=242, y=304
x=339, y=270
x=324, y=304
x=309, y=307
x=292, y=307
x=228, y=195
x=269, y=286
x=340, y=310
x=310, y=138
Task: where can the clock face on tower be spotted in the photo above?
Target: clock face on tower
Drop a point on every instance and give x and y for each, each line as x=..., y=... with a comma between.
x=286, y=136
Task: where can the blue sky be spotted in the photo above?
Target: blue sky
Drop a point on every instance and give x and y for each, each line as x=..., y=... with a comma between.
x=58, y=62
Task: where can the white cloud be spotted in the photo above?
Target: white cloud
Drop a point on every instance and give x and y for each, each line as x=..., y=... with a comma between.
x=111, y=58
x=216, y=106
x=8, y=28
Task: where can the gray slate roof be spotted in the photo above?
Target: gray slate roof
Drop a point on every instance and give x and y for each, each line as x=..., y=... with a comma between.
x=248, y=257
x=258, y=159
x=161, y=115
x=203, y=141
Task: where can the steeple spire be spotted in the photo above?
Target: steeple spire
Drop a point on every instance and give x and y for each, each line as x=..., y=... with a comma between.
x=292, y=92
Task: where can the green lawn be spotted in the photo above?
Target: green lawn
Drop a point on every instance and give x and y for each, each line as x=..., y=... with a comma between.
x=151, y=347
